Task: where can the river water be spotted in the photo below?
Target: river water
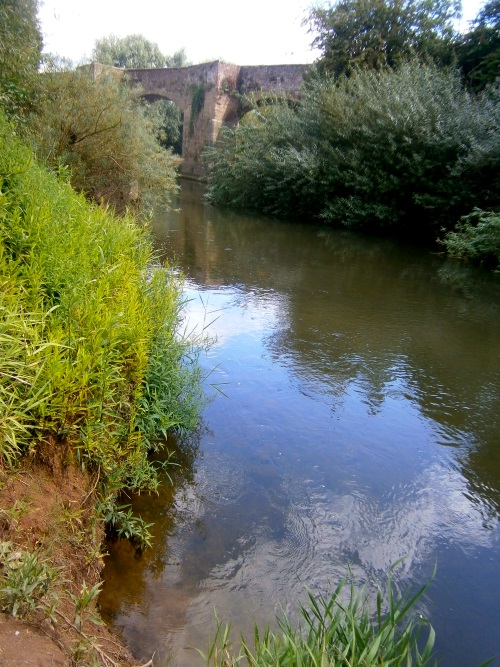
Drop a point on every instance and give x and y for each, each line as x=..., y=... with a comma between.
x=355, y=422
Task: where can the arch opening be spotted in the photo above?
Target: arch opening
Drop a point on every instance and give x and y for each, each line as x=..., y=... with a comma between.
x=168, y=120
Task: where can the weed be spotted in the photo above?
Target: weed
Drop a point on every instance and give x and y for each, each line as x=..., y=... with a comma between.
x=120, y=519
x=27, y=580
x=83, y=603
x=72, y=518
x=335, y=633
x=14, y=513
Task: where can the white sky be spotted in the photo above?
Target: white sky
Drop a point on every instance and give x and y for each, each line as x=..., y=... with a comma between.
x=251, y=32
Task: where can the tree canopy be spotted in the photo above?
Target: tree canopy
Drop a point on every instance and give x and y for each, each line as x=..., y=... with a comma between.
x=134, y=51
x=381, y=33
x=479, y=51
x=20, y=48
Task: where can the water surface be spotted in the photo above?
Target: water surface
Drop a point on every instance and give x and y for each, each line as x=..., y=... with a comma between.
x=359, y=425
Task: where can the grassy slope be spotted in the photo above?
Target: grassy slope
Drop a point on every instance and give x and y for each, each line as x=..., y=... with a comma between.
x=92, y=371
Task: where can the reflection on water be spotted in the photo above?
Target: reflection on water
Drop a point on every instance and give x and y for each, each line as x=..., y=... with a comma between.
x=359, y=424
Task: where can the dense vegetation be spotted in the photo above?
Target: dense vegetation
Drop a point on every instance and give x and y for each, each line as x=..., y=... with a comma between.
x=382, y=33
x=476, y=237
x=93, y=370
x=478, y=51
x=20, y=47
x=385, y=137
x=406, y=150
x=96, y=127
x=92, y=365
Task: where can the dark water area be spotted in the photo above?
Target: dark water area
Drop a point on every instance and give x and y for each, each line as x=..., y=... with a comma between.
x=359, y=424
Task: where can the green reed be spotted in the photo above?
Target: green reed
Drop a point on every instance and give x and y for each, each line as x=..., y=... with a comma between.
x=336, y=631
x=92, y=366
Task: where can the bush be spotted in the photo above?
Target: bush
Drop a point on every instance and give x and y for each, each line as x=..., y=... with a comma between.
x=85, y=324
x=262, y=164
x=166, y=117
x=96, y=127
x=476, y=238
x=408, y=151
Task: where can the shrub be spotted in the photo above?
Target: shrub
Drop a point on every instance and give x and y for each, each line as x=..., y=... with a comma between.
x=476, y=238
x=408, y=151
x=259, y=164
x=97, y=128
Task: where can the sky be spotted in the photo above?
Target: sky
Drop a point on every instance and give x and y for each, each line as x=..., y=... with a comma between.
x=252, y=32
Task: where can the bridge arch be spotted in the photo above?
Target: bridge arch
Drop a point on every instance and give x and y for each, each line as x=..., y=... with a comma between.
x=209, y=96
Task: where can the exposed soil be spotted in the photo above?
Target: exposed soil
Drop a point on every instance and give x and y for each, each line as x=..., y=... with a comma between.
x=22, y=645
x=50, y=510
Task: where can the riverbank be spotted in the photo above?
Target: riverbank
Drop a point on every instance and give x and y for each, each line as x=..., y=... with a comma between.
x=94, y=373
x=48, y=517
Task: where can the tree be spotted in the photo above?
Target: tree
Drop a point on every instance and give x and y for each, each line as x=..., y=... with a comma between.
x=179, y=59
x=166, y=118
x=134, y=51
x=20, y=48
x=382, y=33
x=96, y=127
x=479, y=50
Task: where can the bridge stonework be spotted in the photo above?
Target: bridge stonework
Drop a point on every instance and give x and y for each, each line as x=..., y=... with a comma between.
x=217, y=88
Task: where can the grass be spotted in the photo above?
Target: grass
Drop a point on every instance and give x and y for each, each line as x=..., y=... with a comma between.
x=95, y=374
x=89, y=348
x=93, y=367
x=336, y=631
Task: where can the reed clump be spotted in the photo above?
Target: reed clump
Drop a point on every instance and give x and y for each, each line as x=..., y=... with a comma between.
x=93, y=370
x=336, y=631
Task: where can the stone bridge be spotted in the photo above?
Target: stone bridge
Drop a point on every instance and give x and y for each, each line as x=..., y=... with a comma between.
x=209, y=96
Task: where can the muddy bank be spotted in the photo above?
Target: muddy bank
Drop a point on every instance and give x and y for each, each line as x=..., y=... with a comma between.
x=49, y=514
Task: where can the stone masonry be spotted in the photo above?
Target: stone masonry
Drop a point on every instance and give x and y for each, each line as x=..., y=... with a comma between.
x=218, y=88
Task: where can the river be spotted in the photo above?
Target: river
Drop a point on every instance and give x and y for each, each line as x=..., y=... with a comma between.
x=355, y=421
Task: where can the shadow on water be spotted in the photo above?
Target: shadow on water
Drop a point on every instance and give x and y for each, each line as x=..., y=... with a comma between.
x=164, y=511
x=360, y=424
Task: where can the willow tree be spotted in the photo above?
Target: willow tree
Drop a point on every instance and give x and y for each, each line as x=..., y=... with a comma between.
x=134, y=51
